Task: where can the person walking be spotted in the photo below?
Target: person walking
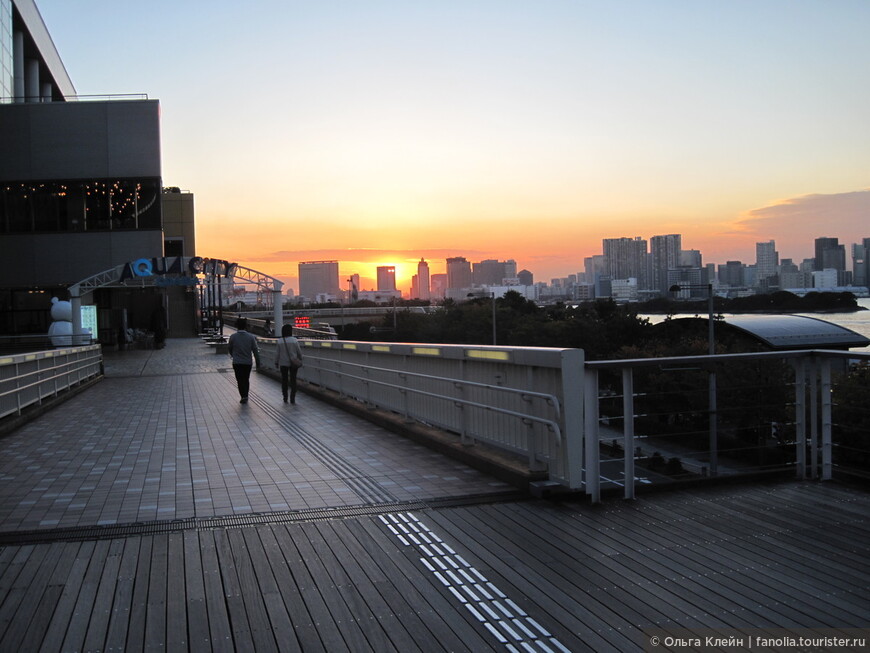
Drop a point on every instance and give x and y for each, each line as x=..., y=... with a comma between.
x=243, y=347
x=288, y=360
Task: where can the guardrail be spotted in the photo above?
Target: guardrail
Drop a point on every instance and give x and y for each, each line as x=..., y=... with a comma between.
x=804, y=411
x=689, y=418
x=27, y=379
x=512, y=398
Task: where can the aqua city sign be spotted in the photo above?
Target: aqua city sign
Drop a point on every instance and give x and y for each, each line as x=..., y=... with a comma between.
x=173, y=271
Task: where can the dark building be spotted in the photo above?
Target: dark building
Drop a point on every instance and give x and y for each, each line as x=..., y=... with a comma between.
x=81, y=190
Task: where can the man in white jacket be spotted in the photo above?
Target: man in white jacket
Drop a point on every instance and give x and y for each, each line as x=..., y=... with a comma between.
x=243, y=347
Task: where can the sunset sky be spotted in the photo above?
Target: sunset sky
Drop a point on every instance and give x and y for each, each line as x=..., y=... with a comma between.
x=380, y=132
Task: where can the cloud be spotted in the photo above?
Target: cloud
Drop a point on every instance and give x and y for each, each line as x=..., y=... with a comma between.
x=365, y=254
x=846, y=215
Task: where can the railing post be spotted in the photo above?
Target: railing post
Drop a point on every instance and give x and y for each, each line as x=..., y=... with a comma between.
x=714, y=423
x=572, y=416
x=800, y=417
x=814, y=419
x=628, y=429
x=593, y=472
x=826, y=419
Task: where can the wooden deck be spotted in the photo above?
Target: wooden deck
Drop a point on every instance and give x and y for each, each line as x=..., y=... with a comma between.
x=153, y=512
x=531, y=575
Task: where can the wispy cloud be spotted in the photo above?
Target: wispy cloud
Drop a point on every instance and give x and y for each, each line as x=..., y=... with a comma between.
x=365, y=254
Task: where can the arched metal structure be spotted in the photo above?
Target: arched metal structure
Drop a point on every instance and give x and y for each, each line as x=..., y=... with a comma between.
x=173, y=270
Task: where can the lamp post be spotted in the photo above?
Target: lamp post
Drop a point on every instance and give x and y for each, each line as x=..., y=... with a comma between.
x=711, y=375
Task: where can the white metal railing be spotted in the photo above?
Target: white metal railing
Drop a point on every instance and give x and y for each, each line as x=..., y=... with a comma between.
x=517, y=399
x=27, y=379
x=810, y=435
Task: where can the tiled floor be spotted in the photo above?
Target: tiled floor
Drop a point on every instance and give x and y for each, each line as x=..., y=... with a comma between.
x=163, y=436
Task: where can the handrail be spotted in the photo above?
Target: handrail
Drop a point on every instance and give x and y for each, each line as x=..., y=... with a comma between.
x=553, y=426
x=551, y=399
x=43, y=370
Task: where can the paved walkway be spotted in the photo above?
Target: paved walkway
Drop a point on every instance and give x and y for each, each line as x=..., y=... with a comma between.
x=153, y=512
x=163, y=436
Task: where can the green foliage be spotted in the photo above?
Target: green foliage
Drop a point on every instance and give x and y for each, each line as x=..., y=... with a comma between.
x=851, y=418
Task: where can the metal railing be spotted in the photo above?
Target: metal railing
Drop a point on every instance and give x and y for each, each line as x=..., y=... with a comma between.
x=650, y=421
x=28, y=379
x=511, y=398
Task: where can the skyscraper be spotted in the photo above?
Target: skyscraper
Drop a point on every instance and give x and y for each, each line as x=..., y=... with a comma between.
x=387, y=278
x=830, y=255
x=318, y=278
x=423, y=280
x=766, y=260
x=665, y=252
x=458, y=273
x=626, y=258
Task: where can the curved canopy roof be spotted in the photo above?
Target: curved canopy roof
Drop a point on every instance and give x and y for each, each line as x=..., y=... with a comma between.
x=796, y=332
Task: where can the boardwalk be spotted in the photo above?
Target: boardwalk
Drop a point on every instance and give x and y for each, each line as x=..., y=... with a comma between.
x=154, y=512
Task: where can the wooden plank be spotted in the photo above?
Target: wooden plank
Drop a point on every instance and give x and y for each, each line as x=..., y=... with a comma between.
x=243, y=639
x=508, y=566
x=122, y=605
x=176, y=594
x=306, y=632
x=258, y=619
x=101, y=612
x=399, y=628
x=214, y=601
x=443, y=615
x=60, y=619
x=195, y=611
x=31, y=621
x=155, y=607
x=79, y=621
x=17, y=579
x=341, y=592
x=139, y=604
x=794, y=582
x=327, y=629
x=279, y=619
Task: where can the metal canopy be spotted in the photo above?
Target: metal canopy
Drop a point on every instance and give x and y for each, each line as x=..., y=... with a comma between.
x=796, y=332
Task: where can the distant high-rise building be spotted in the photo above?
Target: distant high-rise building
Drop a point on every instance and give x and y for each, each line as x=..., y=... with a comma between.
x=386, y=278
x=526, y=278
x=458, y=273
x=665, y=254
x=690, y=258
x=830, y=255
x=423, y=290
x=766, y=260
x=626, y=258
x=438, y=286
x=733, y=274
x=318, y=278
x=861, y=263
x=492, y=273
x=353, y=287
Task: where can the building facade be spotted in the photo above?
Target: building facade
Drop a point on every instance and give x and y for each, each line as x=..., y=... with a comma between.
x=81, y=191
x=318, y=280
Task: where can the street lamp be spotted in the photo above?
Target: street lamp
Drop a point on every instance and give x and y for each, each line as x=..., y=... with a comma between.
x=492, y=296
x=711, y=375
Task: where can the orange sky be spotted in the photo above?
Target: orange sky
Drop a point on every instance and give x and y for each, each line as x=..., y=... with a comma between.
x=378, y=132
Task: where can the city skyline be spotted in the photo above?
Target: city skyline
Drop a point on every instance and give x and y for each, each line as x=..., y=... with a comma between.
x=763, y=251
x=380, y=132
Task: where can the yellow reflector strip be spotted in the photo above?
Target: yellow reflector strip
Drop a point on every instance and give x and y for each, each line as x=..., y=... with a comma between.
x=30, y=358
x=488, y=355
x=380, y=348
x=348, y=345
x=5, y=361
x=426, y=351
x=325, y=343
